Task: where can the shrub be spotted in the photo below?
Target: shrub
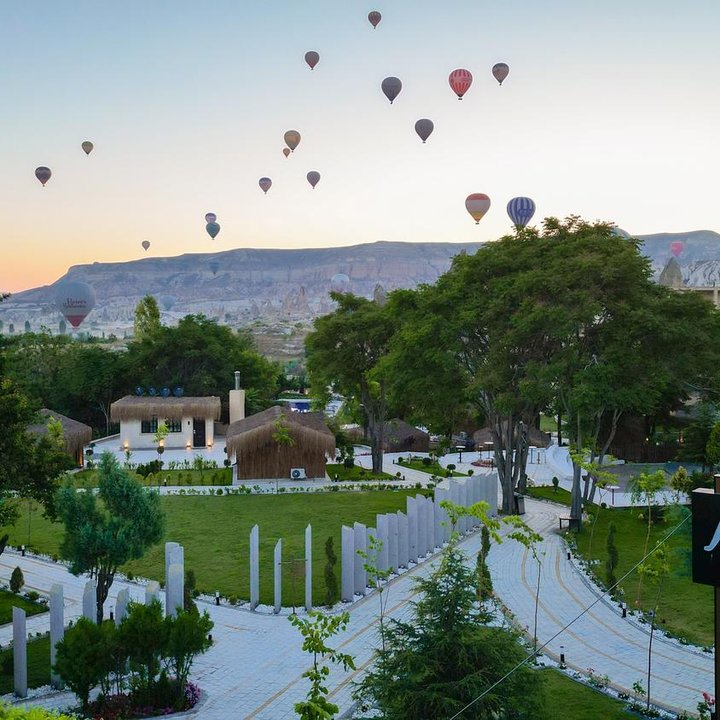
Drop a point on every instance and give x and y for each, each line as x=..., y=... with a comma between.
x=348, y=463
x=427, y=462
x=7, y=712
x=17, y=580
x=555, y=483
x=331, y=585
x=471, y=471
x=33, y=596
x=451, y=467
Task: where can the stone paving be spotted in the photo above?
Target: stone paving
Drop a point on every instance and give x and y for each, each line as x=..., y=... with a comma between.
x=254, y=669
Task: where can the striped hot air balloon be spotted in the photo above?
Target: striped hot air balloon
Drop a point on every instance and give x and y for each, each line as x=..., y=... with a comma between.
x=460, y=81
x=477, y=205
x=521, y=210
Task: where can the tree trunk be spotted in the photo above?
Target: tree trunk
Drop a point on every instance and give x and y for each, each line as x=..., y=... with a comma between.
x=104, y=582
x=576, y=501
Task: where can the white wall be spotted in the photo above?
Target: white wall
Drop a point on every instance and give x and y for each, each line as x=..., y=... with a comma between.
x=130, y=434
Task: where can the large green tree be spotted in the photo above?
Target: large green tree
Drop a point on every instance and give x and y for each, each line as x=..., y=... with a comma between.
x=104, y=531
x=344, y=352
x=147, y=318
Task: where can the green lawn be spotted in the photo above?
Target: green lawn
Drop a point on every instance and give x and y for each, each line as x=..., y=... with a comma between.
x=433, y=469
x=38, y=657
x=685, y=608
x=566, y=699
x=548, y=492
x=8, y=599
x=548, y=424
x=215, y=533
x=219, y=476
x=355, y=474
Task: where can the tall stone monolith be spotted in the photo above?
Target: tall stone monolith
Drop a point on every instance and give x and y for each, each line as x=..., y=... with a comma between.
x=308, y=568
x=57, y=628
x=89, y=605
x=347, y=564
x=19, y=652
x=254, y=567
x=402, y=539
x=360, y=540
x=277, y=576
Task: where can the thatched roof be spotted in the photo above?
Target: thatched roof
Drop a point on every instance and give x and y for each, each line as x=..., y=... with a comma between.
x=398, y=431
x=536, y=438
x=132, y=407
x=254, y=433
x=75, y=434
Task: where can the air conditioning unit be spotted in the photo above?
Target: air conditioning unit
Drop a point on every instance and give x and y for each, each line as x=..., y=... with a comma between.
x=297, y=474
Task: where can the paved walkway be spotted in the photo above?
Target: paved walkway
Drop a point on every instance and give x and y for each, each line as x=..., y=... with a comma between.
x=254, y=669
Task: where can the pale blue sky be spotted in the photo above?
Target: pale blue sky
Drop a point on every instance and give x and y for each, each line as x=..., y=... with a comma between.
x=611, y=111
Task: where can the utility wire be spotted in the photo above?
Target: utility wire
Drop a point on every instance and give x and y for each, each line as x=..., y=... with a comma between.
x=574, y=620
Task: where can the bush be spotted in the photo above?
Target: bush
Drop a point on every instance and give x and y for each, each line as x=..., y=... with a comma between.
x=33, y=596
x=17, y=580
x=471, y=471
x=348, y=463
x=331, y=585
x=8, y=712
x=427, y=462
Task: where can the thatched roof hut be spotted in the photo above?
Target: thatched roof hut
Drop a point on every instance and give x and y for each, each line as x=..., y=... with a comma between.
x=75, y=434
x=536, y=438
x=250, y=442
x=399, y=437
x=132, y=407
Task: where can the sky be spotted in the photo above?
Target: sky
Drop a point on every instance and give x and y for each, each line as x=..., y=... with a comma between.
x=611, y=111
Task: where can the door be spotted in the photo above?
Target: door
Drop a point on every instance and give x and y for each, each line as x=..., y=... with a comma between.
x=198, y=432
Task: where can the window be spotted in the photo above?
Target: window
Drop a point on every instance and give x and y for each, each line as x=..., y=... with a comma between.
x=149, y=426
x=174, y=426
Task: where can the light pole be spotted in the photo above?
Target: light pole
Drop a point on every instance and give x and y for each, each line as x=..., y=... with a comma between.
x=460, y=449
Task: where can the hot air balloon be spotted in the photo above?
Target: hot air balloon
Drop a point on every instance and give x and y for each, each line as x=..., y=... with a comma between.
x=75, y=300
x=521, y=210
x=292, y=139
x=210, y=218
x=286, y=152
x=87, y=146
x=43, y=174
x=214, y=266
x=676, y=248
x=212, y=229
x=460, y=81
x=167, y=301
x=312, y=59
x=313, y=177
x=374, y=17
x=265, y=184
x=145, y=244
x=477, y=205
x=424, y=128
x=339, y=282
x=391, y=86
x=500, y=71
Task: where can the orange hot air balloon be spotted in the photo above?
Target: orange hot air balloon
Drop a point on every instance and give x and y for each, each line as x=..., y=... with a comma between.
x=477, y=205
x=374, y=17
x=292, y=139
x=87, y=146
x=500, y=71
x=312, y=59
x=286, y=151
x=460, y=81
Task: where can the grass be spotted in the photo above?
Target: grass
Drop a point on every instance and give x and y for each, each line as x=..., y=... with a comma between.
x=685, y=608
x=356, y=474
x=433, y=469
x=215, y=533
x=219, y=476
x=566, y=699
x=38, y=661
x=8, y=599
x=548, y=492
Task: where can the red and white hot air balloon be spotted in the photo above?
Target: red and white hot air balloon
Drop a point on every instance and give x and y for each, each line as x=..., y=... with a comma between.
x=75, y=300
x=460, y=81
x=477, y=205
x=676, y=248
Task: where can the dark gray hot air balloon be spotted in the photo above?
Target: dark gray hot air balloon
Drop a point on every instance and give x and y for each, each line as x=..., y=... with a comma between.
x=43, y=174
x=500, y=71
x=292, y=139
x=146, y=245
x=210, y=217
x=391, y=86
x=265, y=184
x=87, y=146
x=212, y=229
x=75, y=300
x=374, y=17
x=312, y=59
x=424, y=128
x=313, y=177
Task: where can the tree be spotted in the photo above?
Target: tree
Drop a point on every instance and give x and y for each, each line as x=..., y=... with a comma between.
x=104, y=531
x=681, y=483
x=316, y=629
x=147, y=318
x=484, y=579
x=144, y=634
x=344, y=351
x=612, y=557
x=17, y=580
x=445, y=656
x=331, y=584
x=187, y=636
x=712, y=449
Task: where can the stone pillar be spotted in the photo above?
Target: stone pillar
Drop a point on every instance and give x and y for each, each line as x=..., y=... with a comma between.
x=347, y=565
x=277, y=576
x=121, y=603
x=429, y=525
x=19, y=652
x=90, y=601
x=465, y=521
x=57, y=628
x=172, y=550
x=308, y=568
x=254, y=567
x=440, y=517
x=152, y=591
x=392, y=521
x=382, y=536
x=412, y=516
x=402, y=522
x=174, y=591
x=421, y=526
x=360, y=542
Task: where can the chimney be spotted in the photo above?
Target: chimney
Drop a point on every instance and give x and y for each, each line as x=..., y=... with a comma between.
x=237, y=401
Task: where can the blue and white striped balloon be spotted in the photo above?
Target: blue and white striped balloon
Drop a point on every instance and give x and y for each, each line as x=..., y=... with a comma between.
x=521, y=210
